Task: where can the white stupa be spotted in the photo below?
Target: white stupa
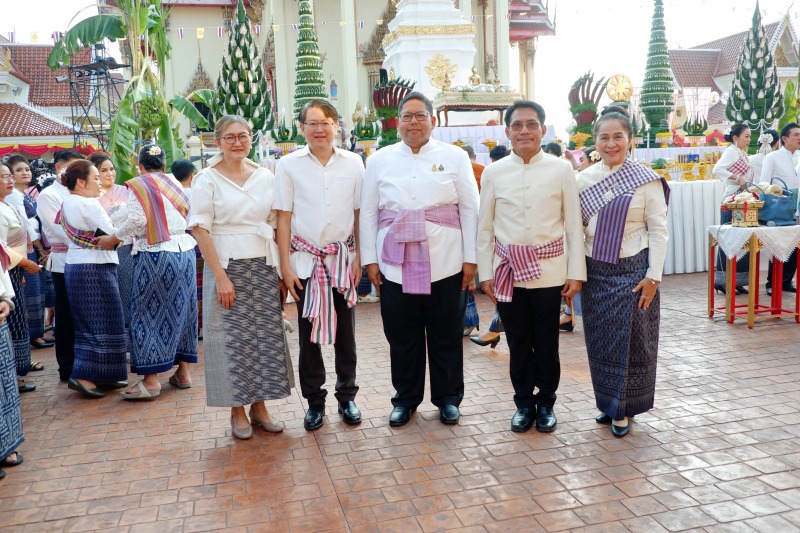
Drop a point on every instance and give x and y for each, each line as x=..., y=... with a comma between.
x=423, y=29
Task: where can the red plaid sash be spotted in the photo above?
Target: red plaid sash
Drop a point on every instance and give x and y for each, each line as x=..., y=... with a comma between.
x=520, y=263
x=742, y=167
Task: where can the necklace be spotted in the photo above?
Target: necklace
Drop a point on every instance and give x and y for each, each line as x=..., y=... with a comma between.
x=612, y=188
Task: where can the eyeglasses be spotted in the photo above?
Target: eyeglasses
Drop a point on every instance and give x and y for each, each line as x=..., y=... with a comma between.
x=315, y=125
x=243, y=138
x=6, y=176
x=408, y=117
x=531, y=125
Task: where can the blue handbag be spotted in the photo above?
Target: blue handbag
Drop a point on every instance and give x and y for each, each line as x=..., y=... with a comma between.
x=778, y=210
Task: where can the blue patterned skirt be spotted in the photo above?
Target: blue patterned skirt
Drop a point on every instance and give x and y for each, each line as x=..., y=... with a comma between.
x=125, y=279
x=245, y=347
x=163, y=325
x=18, y=324
x=10, y=414
x=34, y=300
x=621, y=339
x=98, y=319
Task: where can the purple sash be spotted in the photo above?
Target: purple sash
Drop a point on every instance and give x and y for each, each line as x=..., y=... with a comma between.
x=610, y=199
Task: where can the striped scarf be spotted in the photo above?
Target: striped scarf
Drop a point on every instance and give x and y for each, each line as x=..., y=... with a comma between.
x=149, y=189
x=318, y=303
x=19, y=237
x=81, y=237
x=5, y=259
x=520, y=263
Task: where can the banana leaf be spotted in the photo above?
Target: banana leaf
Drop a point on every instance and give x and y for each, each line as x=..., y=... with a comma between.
x=124, y=130
x=165, y=138
x=86, y=33
x=186, y=108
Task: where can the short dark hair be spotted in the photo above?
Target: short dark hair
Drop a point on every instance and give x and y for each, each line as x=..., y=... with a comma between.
x=182, y=169
x=614, y=112
x=98, y=158
x=15, y=160
x=323, y=105
x=553, y=149
x=76, y=170
x=151, y=162
x=469, y=149
x=414, y=95
x=524, y=104
x=736, y=131
x=66, y=155
x=498, y=152
x=788, y=128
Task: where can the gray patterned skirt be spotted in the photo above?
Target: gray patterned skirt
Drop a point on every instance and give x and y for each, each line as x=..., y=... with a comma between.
x=246, y=359
x=621, y=339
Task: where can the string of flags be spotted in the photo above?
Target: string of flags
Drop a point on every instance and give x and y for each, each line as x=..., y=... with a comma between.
x=220, y=31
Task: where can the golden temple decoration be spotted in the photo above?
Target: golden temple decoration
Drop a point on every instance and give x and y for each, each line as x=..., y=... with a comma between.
x=474, y=79
x=441, y=72
x=200, y=80
x=374, y=53
x=434, y=29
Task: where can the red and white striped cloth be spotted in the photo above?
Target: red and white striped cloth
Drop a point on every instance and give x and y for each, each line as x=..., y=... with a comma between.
x=520, y=263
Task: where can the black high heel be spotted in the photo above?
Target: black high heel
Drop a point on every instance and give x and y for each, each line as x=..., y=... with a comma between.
x=742, y=290
x=566, y=327
x=719, y=288
x=481, y=342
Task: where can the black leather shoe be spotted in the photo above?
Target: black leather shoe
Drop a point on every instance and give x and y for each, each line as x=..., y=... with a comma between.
x=111, y=385
x=789, y=288
x=769, y=291
x=449, y=414
x=545, y=419
x=350, y=413
x=46, y=343
x=28, y=387
x=76, y=385
x=522, y=420
x=314, y=417
x=603, y=418
x=620, y=431
x=742, y=290
x=400, y=416
x=566, y=326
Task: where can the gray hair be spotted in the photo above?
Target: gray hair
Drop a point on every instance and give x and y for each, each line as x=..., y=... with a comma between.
x=470, y=150
x=226, y=120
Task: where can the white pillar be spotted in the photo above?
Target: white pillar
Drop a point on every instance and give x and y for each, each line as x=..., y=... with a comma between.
x=285, y=42
x=348, y=86
x=503, y=40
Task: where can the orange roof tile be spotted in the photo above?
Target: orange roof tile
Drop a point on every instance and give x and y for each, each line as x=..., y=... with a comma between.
x=19, y=121
x=30, y=60
x=731, y=47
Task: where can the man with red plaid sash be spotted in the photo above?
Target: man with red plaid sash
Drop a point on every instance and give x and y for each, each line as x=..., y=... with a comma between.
x=530, y=254
x=317, y=194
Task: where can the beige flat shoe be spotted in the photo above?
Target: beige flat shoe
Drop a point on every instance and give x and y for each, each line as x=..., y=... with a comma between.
x=242, y=433
x=175, y=382
x=142, y=393
x=272, y=426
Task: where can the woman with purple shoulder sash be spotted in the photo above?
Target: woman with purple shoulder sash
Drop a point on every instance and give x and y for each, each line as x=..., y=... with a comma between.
x=624, y=209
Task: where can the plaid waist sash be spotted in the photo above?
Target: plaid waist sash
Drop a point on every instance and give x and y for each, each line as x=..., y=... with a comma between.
x=520, y=263
x=318, y=303
x=406, y=242
x=81, y=237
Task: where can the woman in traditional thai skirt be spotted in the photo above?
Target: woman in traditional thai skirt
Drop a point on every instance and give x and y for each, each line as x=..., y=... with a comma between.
x=233, y=221
x=91, y=279
x=624, y=208
x=10, y=416
x=34, y=286
x=14, y=233
x=163, y=319
x=734, y=170
x=114, y=199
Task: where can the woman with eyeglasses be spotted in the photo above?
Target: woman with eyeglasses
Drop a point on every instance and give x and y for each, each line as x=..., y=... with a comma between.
x=233, y=220
x=33, y=287
x=14, y=235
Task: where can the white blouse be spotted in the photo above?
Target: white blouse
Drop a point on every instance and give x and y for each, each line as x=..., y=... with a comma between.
x=240, y=220
x=87, y=214
x=135, y=227
x=729, y=157
x=645, y=225
x=10, y=221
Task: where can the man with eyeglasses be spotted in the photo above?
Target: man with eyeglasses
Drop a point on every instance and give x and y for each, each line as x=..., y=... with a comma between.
x=317, y=194
x=419, y=215
x=530, y=254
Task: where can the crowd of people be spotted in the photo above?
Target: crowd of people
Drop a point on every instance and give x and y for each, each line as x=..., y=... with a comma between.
x=124, y=266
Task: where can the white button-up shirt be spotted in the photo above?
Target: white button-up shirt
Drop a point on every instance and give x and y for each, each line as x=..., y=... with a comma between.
x=781, y=164
x=47, y=205
x=531, y=204
x=396, y=178
x=322, y=200
x=240, y=220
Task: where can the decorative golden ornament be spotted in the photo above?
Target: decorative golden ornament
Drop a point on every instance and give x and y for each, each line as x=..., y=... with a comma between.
x=434, y=29
x=619, y=88
x=441, y=72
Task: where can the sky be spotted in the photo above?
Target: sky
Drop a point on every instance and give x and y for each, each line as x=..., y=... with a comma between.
x=606, y=37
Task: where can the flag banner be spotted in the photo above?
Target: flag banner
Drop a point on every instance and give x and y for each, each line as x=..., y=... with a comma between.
x=360, y=23
x=258, y=29
x=219, y=31
x=35, y=37
x=294, y=27
x=56, y=36
x=11, y=37
x=276, y=27
x=180, y=33
x=201, y=32
x=474, y=18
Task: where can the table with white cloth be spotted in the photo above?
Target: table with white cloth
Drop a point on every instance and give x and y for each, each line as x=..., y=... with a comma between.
x=778, y=242
x=645, y=154
x=693, y=206
x=475, y=135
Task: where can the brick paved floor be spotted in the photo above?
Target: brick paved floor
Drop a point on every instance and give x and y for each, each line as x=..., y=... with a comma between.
x=720, y=452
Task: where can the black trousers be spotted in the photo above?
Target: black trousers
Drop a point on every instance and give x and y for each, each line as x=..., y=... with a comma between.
x=312, y=369
x=531, y=323
x=64, y=329
x=410, y=321
x=788, y=270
